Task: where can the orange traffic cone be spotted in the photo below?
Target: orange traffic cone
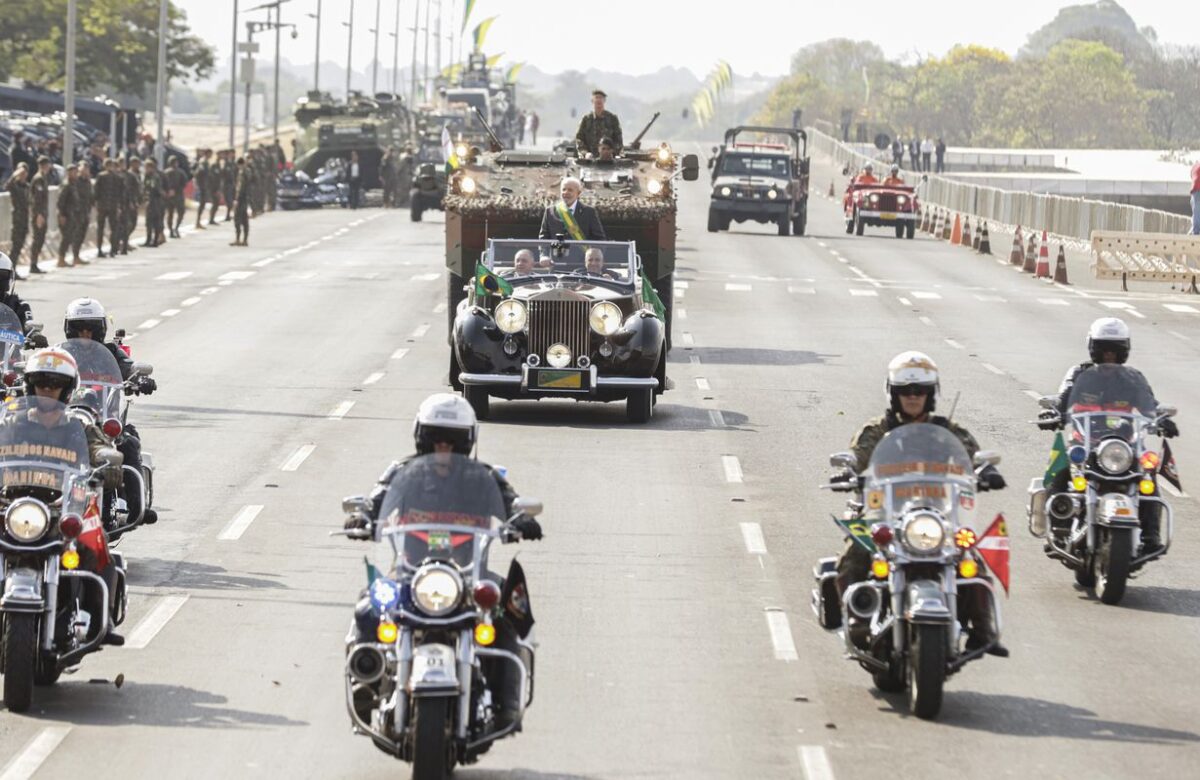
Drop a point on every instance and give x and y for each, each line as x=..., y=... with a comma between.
x=1043, y=262
x=985, y=242
x=966, y=231
x=956, y=233
x=1060, y=267
x=1016, y=256
x=1031, y=254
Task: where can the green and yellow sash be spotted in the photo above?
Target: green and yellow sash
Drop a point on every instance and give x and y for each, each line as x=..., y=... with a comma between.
x=572, y=226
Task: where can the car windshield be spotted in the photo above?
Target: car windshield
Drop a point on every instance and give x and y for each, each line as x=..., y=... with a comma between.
x=920, y=466
x=1109, y=400
x=610, y=260
x=441, y=507
x=12, y=338
x=100, y=381
x=742, y=164
x=42, y=446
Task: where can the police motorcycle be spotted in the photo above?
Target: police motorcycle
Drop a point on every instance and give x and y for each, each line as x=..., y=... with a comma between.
x=421, y=684
x=64, y=588
x=12, y=341
x=915, y=511
x=97, y=401
x=1092, y=522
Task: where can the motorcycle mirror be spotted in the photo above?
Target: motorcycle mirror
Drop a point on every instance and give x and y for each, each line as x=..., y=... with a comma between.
x=351, y=504
x=1165, y=410
x=110, y=457
x=986, y=458
x=527, y=506
x=843, y=460
x=34, y=327
x=142, y=369
x=1048, y=402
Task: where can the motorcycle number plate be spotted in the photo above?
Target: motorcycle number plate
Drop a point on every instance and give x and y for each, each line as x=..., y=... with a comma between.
x=887, y=215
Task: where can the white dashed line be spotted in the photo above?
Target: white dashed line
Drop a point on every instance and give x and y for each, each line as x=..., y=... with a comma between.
x=993, y=369
x=1135, y=313
x=681, y=314
x=26, y=763
x=926, y=320
x=209, y=290
x=866, y=278
x=733, y=469
x=1179, y=335
x=694, y=360
x=822, y=244
x=904, y=301
x=440, y=308
x=781, y=636
x=191, y=301
x=802, y=290
x=990, y=299
x=716, y=418
x=1115, y=304
x=421, y=330
x=955, y=344
x=154, y=622
x=425, y=277
x=752, y=535
x=680, y=285
x=814, y=763
x=373, y=378
x=731, y=287
x=225, y=282
x=702, y=383
x=173, y=276
x=240, y=522
x=687, y=338
x=1034, y=394
x=169, y=312
x=678, y=293
x=341, y=410
x=400, y=353
x=864, y=293
x=237, y=276
x=921, y=295
x=266, y=261
x=298, y=457
x=1181, y=308
x=148, y=324
x=1053, y=301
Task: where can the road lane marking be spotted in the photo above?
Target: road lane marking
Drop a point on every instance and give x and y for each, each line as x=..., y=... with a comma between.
x=802, y=290
x=955, y=344
x=400, y=353
x=822, y=244
x=210, y=290
x=341, y=410
x=236, y=276
x=1135, y=313
x=148, y=324
x=873, y=282
x=1179, y=335
x=1115, y=304
x=702, y=383
x=681, y=314
x=926, y=320
x=925, y=296
x=425, y=277
x=993, y=369
x=678, y=293
x=296, y=458
x=814, y=762
x=191, y=301
x=752, y=535
x=864, y=293
x=26, y=763
x=440, y=308
x=904, y=301
x=1053, y=301
x=990, y=299
x=733, y=469
x=731, y=287
x=173, y=276
x=266, y=261
x=687, y=338
x=680, y=285
x=421, y=330
x=225, y=282
x=154, y=622
x=169, y=312
x=716, y=418
x=1034, y=394
x=373, y=378
x=1181, y=308
x=240, y=522
x=781, y=635
x=694, y=360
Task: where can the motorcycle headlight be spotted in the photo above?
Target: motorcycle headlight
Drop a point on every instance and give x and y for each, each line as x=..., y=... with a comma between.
x=772, y=194
x=1114, y=456
x=436, y=590
x=467, y=185
x=558, y=355
x=923, y=532
x=26, y=521
x=726, y=192
x=654, y=186
x=605, y=318
x=511, y=316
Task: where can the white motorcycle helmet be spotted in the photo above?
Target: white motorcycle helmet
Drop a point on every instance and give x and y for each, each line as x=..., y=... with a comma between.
x=53, y=363
x=912, y=369
x=85, y=313
x=445, y=417
x=1109, y=334
x=7, y=272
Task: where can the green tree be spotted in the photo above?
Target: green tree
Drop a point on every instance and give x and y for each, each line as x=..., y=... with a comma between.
x=116, y=45
x=950, y=94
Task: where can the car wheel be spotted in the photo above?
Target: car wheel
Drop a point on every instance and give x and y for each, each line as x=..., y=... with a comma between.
x=900, y=230
x=858, y=225
x=849, y=225
x=714, y=221
x=911, y=231
x=800, y=223
x=477, y=397
x=785, y=224
x=639, y=406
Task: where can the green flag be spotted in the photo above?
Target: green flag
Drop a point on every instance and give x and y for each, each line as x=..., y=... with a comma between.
x=468, y=7
x=650, y=296
x=487, y=282
x=372, y=572
x=1058, y=460
x=857, y=530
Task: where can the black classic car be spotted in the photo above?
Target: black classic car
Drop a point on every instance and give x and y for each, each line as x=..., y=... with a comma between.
x=560, y=319
x=298, y=190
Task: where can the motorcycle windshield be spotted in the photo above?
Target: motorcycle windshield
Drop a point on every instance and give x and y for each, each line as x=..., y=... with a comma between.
x=438, y=507
x=100, y=381
x=42, y=447
x=920, y=466
x=1109, y=400
x=12, y=338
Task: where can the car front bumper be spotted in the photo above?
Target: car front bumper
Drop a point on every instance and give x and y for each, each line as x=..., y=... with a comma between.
x=749, y=206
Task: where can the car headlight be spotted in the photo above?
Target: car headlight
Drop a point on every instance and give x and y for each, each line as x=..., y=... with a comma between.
x=1114, y=456
x=558, y=355
x=726, y=192
x=461, y=151
x=654, y=186
x=772, y=194
x=874, y=198
x=901, y=199
x=605, y=318
x=664, y=154
x=26, y=521
x=436, y=590
x=924, y=532
x=467, y=185
x=511, y=316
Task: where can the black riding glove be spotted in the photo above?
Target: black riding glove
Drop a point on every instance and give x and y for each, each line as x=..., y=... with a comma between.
x=990, y=478
x=360, y=526
x=528, y=528
x=37, y=340
x=1168, y=428
x=1048, y=420
x=147, y=385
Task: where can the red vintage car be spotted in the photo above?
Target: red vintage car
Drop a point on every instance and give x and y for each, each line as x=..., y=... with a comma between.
x=881, y=205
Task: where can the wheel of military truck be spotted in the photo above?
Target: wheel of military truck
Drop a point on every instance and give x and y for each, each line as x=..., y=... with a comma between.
x=639, y=406
x=714, y=221
x=858, y=225
x=785, y=225
x=911, y=230
x=800, y=223
x=900, y=230
x=477, y=397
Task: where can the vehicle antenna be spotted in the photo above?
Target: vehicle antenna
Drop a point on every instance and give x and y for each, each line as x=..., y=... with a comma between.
x=954, y=406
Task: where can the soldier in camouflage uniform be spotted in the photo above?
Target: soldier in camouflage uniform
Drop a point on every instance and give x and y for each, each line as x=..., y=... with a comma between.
x=110, y=197
x=596, y=125
x=18, y=198
x=202, y=184
x=174, y=180
x=155, y=197
x=133, y=202
x=228, y=182
x=39, y=201
x=67, y=207
x=87, y=199
x=271, y=173
x=387, y=177
x=241, y=212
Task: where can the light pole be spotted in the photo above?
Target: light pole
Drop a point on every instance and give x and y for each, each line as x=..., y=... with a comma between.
x=425, y=66
x=396, y=51
x=69, y=97
x=233, y=57
x=317, y=64
x=375, y=64
x=412, y=98
x=349, y=48
x=160, y=101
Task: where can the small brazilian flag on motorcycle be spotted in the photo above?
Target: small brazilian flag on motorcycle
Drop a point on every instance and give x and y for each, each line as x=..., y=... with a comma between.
x=1058, y=461
x=857, y=530
x=372, y=572
x=487, y=282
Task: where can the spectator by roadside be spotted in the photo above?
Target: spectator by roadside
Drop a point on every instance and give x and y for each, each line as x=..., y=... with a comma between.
x=534, y=122
x=914, y=152
x=354, y=177
x=927, y=154
x=1196, y=199
x=940, y=151
x=897, y=152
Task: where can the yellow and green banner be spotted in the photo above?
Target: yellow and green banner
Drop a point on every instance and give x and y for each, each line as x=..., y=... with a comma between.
x=481, y=31
x=1058, y=460
x=511, y=76
x=468, y=7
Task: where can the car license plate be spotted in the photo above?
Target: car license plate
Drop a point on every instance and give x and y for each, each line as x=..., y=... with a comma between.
x=559, y=379
x=887, y=215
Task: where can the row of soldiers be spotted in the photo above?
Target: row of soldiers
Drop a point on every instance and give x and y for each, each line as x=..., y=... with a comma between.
x=217, y=181
x=396, y=171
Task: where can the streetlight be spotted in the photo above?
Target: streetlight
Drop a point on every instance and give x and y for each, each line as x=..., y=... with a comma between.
x=375, y=64
x=251, y=48
x=317, y=64
x=396, y=51
x=412, y=97
x=278, y=26
x=349, y=48
x=232, y=82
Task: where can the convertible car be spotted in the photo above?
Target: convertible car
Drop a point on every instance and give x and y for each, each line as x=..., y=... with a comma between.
x=560, y=319
x=880, y=205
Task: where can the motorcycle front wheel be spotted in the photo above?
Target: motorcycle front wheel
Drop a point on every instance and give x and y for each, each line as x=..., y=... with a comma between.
x=20, y=660
x=431, y=751
x=926, y=670
x=1112, y=565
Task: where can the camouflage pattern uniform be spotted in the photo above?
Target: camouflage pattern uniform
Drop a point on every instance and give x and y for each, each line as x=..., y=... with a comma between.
x=68, y=207
x=228, y=182
x=592, y=128
x=133, y=202
x=241, y=212
x=270, y=173
x=152, y=190
x=388, y=174
x=39, y=196
x=86, y=201
x=18, y=195
x=200, y=176
x=110, y=196
x=174, y=180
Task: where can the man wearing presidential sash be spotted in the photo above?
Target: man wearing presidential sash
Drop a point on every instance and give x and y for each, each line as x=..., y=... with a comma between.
x=570, y=218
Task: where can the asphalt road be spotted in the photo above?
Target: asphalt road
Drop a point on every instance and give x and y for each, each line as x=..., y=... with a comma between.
x=672, y=589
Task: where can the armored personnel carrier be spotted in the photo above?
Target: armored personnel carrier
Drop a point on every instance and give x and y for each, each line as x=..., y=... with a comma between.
x=367, y=125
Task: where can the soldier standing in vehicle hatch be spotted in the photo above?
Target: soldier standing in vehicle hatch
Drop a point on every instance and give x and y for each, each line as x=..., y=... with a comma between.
x=598, y=124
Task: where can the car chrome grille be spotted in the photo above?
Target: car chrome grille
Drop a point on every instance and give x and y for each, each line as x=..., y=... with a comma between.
x=886, y=202
x=563, y=322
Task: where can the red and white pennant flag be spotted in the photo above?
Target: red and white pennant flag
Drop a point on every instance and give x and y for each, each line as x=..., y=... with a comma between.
x=994, y=548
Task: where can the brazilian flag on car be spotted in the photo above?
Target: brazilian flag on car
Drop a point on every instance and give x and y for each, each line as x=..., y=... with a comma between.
x=487, y=282
x=650, y=296
x=1058, y=461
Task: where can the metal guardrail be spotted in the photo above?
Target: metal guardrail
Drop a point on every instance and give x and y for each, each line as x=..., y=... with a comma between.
x=1070, y=218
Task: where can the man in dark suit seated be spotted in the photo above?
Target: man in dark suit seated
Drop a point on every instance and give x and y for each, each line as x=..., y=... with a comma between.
x=570, y=218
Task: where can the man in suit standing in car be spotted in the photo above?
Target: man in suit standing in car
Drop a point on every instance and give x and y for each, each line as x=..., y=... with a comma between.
x=570, y=218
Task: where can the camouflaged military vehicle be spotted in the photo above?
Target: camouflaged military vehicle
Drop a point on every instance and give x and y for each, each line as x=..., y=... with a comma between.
x=331, y=128
x=505, y=194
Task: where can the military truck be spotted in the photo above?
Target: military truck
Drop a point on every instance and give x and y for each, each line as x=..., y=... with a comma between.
x=505, y=194
x=762, y=180
x=367, y=125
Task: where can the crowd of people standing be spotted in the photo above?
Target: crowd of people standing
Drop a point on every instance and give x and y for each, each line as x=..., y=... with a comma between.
x=924, y=155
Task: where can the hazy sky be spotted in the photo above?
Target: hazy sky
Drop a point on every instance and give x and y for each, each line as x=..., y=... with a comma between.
x=640, y=36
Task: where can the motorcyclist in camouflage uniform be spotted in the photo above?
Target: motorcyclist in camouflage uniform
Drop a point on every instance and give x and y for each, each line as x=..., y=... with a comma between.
x=911, y=390
x=152, y=189
x=596, y=125
x=86, y=201
x=39, y=203
x=18, y=197
x=110, y=195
